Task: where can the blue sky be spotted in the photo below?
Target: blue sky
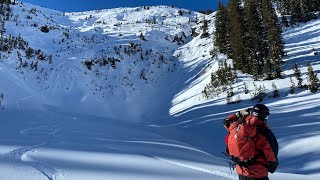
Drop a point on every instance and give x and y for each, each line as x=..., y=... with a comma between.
x=84, y=5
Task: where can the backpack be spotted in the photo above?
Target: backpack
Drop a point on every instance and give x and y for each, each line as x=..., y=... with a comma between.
x=241, y=140
x=241, y=143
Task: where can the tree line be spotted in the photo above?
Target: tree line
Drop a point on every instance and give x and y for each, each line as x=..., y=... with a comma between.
x=250, y=34
x=299, y=10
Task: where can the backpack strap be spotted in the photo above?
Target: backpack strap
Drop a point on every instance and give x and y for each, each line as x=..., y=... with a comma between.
x=245, y=163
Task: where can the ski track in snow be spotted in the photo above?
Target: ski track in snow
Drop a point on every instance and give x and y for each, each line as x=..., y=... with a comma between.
x=20, y=155
x=217, y=173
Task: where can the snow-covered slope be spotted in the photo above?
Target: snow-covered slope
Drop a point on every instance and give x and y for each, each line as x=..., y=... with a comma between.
x=99, y=102
x=110, y=58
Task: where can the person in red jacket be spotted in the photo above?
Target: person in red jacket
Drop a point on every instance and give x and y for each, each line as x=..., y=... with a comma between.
x=251, y=144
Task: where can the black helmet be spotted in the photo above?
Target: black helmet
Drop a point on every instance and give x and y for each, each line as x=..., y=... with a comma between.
x=261, y=111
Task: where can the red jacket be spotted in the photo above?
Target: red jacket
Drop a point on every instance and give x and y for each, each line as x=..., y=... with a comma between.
x=264, y=152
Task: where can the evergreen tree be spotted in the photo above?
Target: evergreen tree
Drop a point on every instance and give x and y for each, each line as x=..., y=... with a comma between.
x=306, y=12
x=229, y=95
x=283, y=7
x=205, y=93
x=194, y=33
x=142, y=37
x=246, y=91
x=4, y=5
x=236, y=35
x=221, y=23
x=255, y=38
x=196, y=20
x=292, y=87
x=205, y=33
x=229, y=99
x=315, y=5
x=312, y=79
x=223, y=77
x=295, y=9
x=255, y=89
x=274, y=39
x=230, y=91
x=214, y=81
x=231, y=76
x=275, y=90
x=297, y=74
x=261, y=94
x=300, y=10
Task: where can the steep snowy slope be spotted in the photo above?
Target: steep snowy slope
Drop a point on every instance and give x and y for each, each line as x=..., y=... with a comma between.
x=110, y=58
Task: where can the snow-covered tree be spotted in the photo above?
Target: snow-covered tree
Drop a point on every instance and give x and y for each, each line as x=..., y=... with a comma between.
x=292, y=86
x=275, y=92
x=313, y=80
x=297, y=75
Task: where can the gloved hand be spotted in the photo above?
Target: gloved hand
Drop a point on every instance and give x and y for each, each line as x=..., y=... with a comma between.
x=227, y=122
x=243, y=113
x=272, y=166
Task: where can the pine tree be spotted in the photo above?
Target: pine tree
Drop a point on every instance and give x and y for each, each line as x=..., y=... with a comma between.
x=275, y=90
x=274, y=39
x=255, y=89
x=297, y=74
x=236, y=34
x=229, y=99
x=205, y=33
x=194, y=33
x=196, y=20
x=214, y=80
x=300, y=10
x=312, y=79
x=255, y=38
x=306, y=12
x=142, y=37
x=230, y=91
x=229, y=95
x=292, y=87
x=315, y=5
x=284, y=7
x=261, y=94
x=221, y=78
x=205, y=93
x=2, y=21
x=246, y=91
x=231, y=76
x=221, y=23
x=296, y=13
